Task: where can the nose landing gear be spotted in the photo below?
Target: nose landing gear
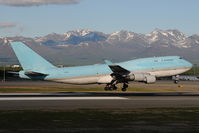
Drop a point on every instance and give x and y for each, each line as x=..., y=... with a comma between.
x=176, y=79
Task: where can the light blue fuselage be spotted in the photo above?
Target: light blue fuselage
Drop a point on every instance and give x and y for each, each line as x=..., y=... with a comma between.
x=153, y=64
x=36, y=67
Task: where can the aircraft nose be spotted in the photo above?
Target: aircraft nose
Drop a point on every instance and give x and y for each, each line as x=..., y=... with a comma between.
x=188, y=64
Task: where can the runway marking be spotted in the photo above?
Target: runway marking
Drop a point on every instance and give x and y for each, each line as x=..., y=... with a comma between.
x=60, y=98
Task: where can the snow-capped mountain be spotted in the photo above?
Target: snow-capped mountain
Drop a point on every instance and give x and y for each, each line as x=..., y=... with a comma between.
x=168, y=38
x=121, y=36
x=167, y=35
x=77, y=33
x=71, y=37
x=160, y=38
x=90, y=37
x=88, y=46
x=194, y=39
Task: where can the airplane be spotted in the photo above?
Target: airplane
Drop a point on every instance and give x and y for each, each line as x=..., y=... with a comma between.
x=145, y=70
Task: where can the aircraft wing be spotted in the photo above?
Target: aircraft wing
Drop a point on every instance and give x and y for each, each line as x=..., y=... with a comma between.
x=117, y=69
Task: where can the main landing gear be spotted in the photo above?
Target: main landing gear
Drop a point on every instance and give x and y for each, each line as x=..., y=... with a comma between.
x=125, y=85
x=110, y=87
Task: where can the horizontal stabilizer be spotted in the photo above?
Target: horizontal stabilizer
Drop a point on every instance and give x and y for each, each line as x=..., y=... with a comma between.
x=12, y=72
x=35, y=74
x=16, y=74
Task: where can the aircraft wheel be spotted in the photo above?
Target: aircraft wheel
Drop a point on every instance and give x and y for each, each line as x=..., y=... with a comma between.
x=176, y=81
x=114, y=87
x=125, y=85
x=106, y=88
x=110, y=88
x=123, y=89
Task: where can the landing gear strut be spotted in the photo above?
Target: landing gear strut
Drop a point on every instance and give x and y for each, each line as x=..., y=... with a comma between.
x=125, y=85
x=176, y=79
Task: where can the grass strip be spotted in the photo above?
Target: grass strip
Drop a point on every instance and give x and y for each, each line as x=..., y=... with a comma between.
x=73, y=89
x=108, y=120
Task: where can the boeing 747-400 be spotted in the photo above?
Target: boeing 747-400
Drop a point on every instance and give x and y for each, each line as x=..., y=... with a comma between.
x=142, y=70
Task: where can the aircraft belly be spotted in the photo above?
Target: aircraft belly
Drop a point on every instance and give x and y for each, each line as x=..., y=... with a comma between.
x=93, y=79
x=79, y=80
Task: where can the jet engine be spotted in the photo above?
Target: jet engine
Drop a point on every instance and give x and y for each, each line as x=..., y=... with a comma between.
x=142, y=77
x=105, y=79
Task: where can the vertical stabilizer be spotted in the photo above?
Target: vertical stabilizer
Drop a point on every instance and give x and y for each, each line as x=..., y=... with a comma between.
x=30, y=60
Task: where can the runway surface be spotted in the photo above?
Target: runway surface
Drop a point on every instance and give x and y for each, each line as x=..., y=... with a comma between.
x=20, y=101
x=170, y=96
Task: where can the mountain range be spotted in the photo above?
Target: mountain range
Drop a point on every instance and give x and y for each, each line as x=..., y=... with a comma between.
x=83, y=47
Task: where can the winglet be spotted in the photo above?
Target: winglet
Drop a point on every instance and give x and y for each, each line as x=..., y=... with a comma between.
x=108, y=62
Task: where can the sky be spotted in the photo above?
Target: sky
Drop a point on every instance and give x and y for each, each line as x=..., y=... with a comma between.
x=31, y=18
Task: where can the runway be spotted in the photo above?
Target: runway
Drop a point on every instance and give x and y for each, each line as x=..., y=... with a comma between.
x=17, y=101
x=59, y=98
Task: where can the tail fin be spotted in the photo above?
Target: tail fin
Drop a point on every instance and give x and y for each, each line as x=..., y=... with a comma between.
x=30, y=60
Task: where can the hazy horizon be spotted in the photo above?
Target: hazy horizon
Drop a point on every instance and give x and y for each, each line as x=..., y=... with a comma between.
x=38, y=18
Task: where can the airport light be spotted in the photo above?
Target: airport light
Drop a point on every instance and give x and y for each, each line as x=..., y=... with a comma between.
x=4, y=74
x=194, y=69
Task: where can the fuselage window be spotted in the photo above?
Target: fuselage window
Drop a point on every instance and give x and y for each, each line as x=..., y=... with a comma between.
x=168, y=60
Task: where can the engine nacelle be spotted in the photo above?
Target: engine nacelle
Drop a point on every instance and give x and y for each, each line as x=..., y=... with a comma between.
x=150, y=79
x=142, y=77
x=105, y=79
